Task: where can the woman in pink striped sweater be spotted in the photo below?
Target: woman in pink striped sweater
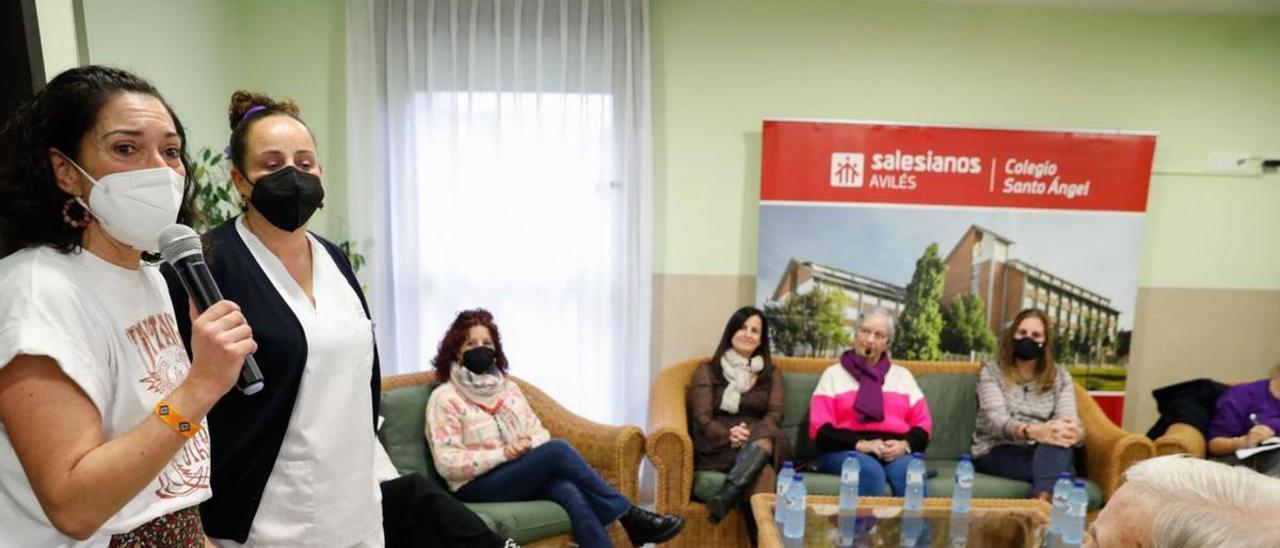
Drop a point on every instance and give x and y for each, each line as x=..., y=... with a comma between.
x=490, y=447
x=870, y=409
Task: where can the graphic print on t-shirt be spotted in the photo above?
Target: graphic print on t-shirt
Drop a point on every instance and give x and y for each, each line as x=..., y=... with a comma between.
x=158, y=344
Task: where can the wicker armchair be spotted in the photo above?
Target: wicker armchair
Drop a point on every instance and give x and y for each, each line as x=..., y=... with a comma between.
x=1183, y=439
x=1108, y=451
x=613, y=451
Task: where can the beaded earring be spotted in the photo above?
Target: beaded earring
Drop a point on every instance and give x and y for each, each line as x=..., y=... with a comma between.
x=70, y=207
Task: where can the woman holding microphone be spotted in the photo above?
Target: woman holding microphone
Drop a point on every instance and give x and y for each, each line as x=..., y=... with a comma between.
x=102, y=413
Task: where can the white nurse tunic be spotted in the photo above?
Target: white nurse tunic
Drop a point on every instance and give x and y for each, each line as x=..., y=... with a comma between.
x=322, y=490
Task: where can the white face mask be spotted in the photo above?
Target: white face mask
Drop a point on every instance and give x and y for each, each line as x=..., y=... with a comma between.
x=134, y=206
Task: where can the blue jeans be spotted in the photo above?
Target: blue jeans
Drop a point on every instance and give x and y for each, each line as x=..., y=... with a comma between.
x=1039, y=465
x=872, y=472
x=554, y=471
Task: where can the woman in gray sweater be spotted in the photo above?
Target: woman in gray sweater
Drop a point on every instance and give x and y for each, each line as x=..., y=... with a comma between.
x=1027, y=422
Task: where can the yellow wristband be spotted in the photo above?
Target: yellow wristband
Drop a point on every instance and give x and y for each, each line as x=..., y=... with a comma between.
x=175, y=420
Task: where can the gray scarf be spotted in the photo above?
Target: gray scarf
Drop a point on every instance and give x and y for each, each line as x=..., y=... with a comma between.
x=737, y=370
x=482, y=390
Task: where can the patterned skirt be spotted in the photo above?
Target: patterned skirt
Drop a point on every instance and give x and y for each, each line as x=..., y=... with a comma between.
x=181, y=528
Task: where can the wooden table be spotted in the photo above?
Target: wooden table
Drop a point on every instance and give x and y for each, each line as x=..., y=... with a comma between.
x=994, y=522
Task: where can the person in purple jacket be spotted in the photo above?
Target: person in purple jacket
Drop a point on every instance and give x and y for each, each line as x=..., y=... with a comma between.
x=1245, y=416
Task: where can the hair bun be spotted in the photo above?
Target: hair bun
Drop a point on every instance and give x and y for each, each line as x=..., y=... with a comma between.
x=242, y=101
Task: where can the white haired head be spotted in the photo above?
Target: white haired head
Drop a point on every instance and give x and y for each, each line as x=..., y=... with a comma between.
x=890, y=321
x=873, y=333
x=1198, y=503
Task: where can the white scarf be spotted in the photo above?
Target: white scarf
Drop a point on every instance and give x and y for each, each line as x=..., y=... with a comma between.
x=737, y=370
x=483, y=390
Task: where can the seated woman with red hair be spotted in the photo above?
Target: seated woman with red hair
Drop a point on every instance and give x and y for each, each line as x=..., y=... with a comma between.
x=490, y=447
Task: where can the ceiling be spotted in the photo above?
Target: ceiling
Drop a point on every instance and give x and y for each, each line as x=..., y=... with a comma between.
x=1232, y=7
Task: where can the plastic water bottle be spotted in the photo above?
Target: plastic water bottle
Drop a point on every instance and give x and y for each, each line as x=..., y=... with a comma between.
x=784, y=483
x=958, y=534
x=1077, y=505
x=848, y=510
x=915, y=483
x=793, y=527
x=962, y=494
x=1061, y=492
x=913, y=530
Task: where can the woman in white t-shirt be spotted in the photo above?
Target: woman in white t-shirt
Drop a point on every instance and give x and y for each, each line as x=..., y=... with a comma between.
x=101, y=411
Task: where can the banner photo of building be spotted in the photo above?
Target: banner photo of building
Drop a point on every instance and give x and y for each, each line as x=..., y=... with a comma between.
x=955, y=230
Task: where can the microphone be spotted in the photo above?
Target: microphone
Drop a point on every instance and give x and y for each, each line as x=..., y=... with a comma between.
x=181, y=248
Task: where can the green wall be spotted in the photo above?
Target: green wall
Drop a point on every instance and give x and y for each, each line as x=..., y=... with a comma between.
x=198, y=52
x=189, y=49
x=297, y=49
x=1206, y=83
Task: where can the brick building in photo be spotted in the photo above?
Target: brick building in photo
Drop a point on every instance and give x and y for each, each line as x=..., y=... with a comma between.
x=860, y=291
x=979, y=264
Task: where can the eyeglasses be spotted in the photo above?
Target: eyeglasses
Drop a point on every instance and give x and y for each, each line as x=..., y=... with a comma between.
x=873, y=334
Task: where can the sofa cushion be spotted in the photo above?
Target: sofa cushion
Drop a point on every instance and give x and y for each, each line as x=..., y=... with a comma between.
x=705, y=484
x=403, y=431
x=524, y=521
x=953, y=405
x=797, y=391
x=994, y=487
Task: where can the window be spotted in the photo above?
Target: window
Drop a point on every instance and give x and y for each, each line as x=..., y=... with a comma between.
x=518, y=213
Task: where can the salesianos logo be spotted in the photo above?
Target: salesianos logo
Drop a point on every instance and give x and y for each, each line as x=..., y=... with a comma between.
x=846, y=169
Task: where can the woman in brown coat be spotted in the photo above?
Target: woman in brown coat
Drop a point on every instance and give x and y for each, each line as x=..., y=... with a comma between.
x=736, y=401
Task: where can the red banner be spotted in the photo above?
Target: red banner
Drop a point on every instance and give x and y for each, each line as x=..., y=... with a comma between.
x=872, y=162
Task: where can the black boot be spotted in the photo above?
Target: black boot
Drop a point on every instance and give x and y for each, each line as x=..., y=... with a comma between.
x=643, y=526
x=753, y=531
x=748, y=465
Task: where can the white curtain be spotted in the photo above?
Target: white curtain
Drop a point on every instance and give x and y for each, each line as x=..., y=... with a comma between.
x=499, y=156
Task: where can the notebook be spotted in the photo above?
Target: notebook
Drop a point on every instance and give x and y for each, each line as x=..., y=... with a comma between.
x=1266, y=445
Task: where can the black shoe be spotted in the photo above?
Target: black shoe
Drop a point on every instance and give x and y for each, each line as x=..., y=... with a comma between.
x=747, y=466
x=643, y=526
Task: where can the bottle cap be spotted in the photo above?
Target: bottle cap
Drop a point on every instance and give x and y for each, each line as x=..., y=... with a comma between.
x=1065, y=475
x=1079, y=483
x=788, y=464
x=917, y=455
x=965, y=457
x=798, y=478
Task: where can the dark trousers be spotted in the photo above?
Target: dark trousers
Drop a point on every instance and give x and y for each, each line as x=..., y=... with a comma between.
x=418, y=512
x=554, y=471
x=1040, y=464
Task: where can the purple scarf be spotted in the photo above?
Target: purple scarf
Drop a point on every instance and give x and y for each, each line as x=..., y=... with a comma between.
x=869, y=404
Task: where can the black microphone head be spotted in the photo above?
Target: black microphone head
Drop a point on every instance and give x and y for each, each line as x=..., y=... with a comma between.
x=178, y=241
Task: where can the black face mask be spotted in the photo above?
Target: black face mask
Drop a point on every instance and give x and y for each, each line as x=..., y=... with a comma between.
x=479, y=360
x=288, y=197
x=1027, y=349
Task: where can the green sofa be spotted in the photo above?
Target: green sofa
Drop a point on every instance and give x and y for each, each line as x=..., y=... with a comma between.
x=954, y=402
x=615, y=452
x=950, y=389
